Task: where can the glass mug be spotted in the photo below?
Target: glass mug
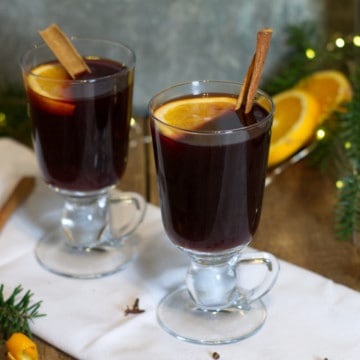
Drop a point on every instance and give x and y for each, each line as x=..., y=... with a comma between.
x=80, y=132
x=211, y=183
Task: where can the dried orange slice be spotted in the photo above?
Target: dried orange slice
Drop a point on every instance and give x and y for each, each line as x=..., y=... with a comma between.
x=295, y=120
x=49, y=82
x=191, y=113
x=330, y=88
x=20, y=347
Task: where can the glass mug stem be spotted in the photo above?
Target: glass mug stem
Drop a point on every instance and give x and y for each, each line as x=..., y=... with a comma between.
x=86, y=219
x=216, y=286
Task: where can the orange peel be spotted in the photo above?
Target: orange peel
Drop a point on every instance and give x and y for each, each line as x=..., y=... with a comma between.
x=20, y=347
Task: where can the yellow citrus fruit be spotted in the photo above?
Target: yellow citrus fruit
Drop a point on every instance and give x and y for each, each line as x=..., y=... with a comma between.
x=20, y=347
x=48, y=81
x=191, y=113
x=293, y=125
x=330, y=88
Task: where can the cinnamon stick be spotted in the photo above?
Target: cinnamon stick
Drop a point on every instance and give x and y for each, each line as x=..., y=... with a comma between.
x=253, y=75
x=21, y=191
x=64, y=51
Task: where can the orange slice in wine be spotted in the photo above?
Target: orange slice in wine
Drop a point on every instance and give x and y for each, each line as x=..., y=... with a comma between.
x=50, y=83
x=192, y=113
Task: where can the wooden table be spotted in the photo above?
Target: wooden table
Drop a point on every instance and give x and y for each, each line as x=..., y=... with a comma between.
x=296, y=225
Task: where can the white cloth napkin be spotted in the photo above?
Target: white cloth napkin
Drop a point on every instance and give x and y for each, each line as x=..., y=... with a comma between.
x=309, y=316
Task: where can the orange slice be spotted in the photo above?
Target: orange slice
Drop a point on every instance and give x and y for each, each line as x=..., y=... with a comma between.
x=294, y=122
x=190, y=114
x=330, y=88
x=48, y=81
x=20, y=347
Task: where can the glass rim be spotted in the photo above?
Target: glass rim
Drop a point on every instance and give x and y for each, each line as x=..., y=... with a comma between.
x=260, y=92
x=42, y=45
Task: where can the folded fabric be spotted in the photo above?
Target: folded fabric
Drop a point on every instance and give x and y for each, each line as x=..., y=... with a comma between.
x=309, y=316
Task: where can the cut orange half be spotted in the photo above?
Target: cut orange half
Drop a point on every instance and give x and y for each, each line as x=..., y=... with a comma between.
x=294, y=122
x=190, y=114
x=330, y=88
x=49, y=82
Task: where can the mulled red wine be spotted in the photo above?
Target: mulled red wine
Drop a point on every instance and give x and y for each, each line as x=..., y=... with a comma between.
x=81, y=128
x=211, y=185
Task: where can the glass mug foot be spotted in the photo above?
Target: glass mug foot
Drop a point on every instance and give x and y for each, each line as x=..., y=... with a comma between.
x=215, y=307
x=96, y=237
x=54, y=254
x=179, y=315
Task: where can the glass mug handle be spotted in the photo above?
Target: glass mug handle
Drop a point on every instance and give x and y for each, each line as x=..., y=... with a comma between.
x=89, y=222
x=129, y=223
x=260, y=259
x=220, y=285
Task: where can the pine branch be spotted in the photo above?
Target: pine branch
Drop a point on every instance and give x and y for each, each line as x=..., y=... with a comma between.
x=14, y=121
x=347, y=210
x=15, y=315
x=339, y=151
x=295, y=65
x=325, y=155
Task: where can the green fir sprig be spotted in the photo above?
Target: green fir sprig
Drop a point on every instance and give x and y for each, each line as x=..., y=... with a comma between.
x=295, y=64
x=15, y=312
x=347, y=215
x=301, y=42
x=347, y=210
x=338, y=152
x=14, y=121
